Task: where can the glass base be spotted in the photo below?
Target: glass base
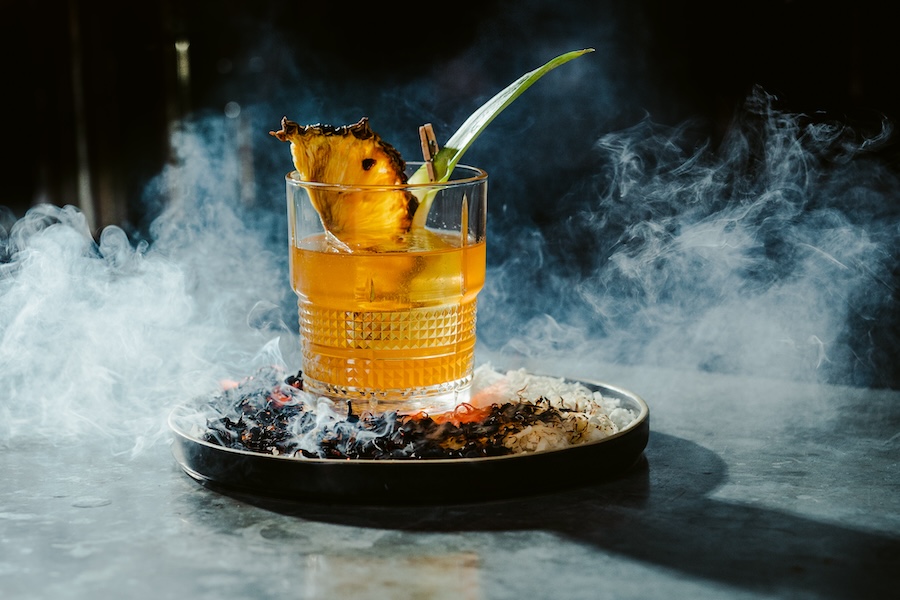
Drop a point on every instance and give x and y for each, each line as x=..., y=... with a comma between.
x=433, y=400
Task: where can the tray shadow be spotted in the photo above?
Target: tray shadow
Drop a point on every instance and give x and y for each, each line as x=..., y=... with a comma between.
x=660, y=512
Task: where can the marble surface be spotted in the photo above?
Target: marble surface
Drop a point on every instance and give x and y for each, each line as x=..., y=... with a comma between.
x=747, y=489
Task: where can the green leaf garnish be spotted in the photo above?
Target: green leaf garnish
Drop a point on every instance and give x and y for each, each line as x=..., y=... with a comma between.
x=448, y=156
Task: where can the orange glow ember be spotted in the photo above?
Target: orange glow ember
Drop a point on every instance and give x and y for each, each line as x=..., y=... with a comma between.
x=464, y=413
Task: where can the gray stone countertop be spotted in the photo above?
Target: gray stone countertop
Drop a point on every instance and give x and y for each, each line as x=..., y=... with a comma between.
x=747, y=489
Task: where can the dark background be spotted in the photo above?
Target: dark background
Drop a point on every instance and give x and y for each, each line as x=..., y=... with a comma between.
x=92, y=92
x=106, y=78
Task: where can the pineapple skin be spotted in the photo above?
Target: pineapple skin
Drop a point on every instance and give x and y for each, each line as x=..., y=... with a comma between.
x=351, y=155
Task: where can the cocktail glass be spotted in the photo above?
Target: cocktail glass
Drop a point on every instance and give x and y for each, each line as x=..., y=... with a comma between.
x=387, y=320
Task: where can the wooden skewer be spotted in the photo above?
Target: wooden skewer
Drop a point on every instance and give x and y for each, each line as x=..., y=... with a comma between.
x=429, y=148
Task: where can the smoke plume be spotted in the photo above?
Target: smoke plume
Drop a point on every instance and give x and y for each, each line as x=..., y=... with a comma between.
x=772, y=254
x=102, y=337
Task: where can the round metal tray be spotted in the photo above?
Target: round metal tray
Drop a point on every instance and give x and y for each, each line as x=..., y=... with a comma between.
x=413, y=481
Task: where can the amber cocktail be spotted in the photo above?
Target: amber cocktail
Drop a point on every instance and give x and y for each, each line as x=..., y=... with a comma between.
x=388, y=321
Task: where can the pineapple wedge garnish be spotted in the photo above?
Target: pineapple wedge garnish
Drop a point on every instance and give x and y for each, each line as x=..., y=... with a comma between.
x=351, y=155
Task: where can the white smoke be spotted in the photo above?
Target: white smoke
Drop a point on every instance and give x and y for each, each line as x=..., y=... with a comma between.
x=103, y=338
x=770, y=255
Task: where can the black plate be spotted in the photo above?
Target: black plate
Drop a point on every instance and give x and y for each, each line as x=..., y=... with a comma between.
x=414, y=481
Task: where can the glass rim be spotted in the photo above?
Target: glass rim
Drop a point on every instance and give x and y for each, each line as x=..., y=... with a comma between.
x=478, y=176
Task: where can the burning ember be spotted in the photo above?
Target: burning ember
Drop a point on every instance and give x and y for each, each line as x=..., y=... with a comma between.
x=270, y=413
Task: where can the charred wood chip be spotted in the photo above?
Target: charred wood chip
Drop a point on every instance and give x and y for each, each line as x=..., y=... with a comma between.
x=268, y=415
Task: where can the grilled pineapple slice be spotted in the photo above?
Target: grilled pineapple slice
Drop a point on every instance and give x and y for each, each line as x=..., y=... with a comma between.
x=351, y=155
